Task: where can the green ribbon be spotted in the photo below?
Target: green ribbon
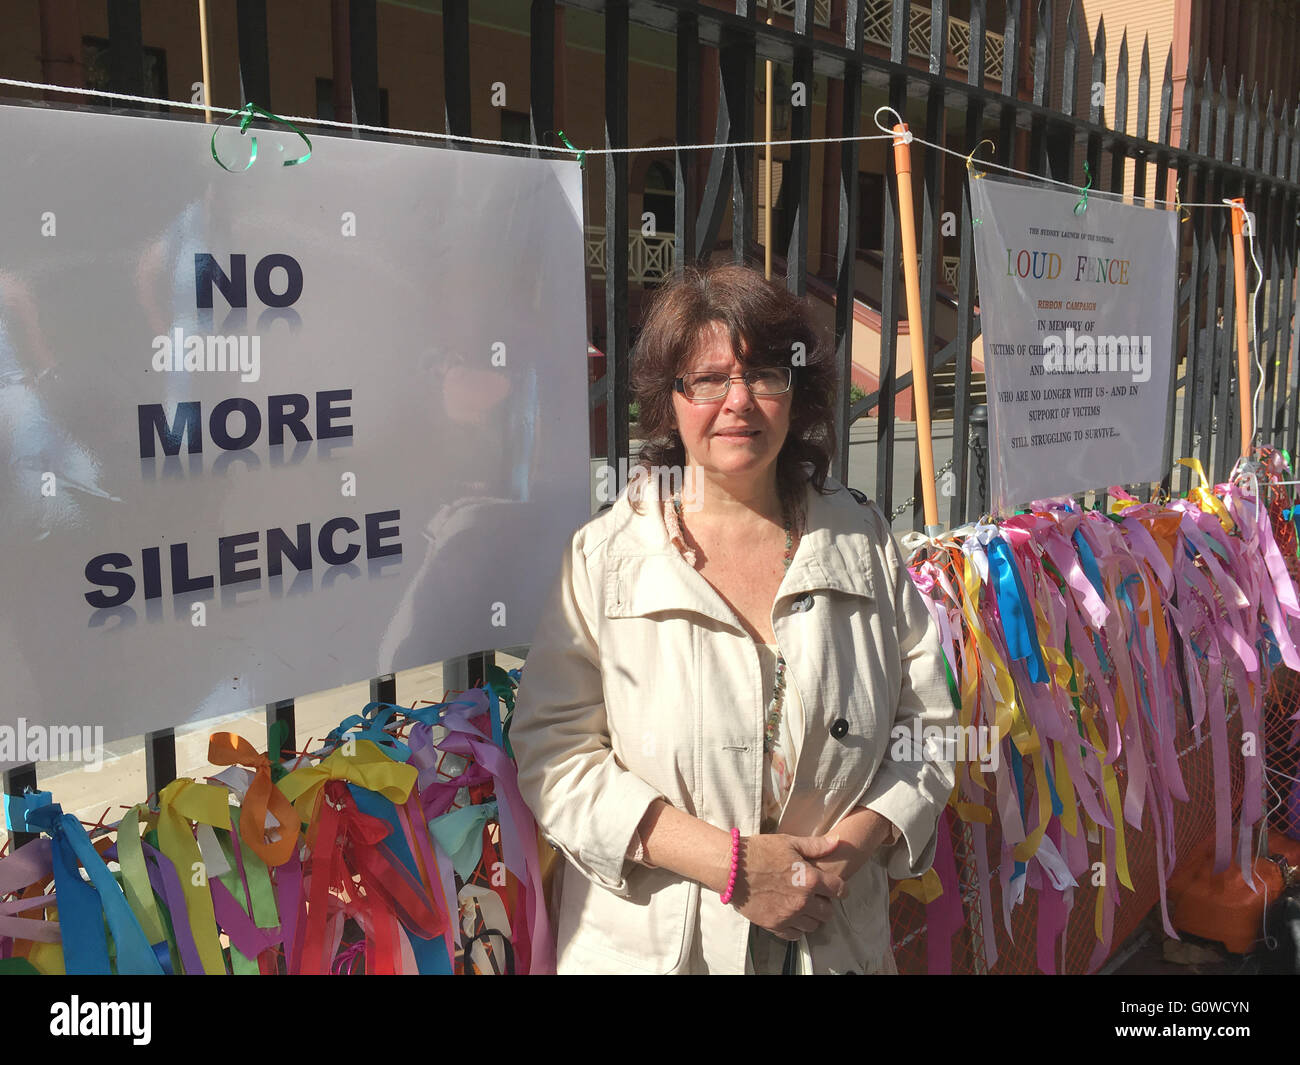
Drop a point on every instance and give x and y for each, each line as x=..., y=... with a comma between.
x=504, y=688
x=1082, y=205
x=135, y=877
x=581, y=155
x=276, y=736
x=952, y=684
x=259, y=888
x=250, y=111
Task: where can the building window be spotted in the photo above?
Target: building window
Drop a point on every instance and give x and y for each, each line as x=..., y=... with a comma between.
x=95, y=59
x=325, y=101
x=516, y=126
x=660, y=198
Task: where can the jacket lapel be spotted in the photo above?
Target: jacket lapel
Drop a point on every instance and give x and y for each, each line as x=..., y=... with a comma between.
x=646, y=575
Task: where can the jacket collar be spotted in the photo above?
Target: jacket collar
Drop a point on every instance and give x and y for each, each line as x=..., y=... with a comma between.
x=647, y=573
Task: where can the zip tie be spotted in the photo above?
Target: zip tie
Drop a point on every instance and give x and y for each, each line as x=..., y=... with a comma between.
x=581, y=155
x=1082, y=205
x=250, y=111
x=970, y=166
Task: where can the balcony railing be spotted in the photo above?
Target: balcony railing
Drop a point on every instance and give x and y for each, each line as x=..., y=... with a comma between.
x=878, y=27
x=821, y=9
x=649, y=259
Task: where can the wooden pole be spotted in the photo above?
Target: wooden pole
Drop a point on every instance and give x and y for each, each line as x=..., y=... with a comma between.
x=1243, y=328
x=207, y=69
x=920, y=382
x=767, y=176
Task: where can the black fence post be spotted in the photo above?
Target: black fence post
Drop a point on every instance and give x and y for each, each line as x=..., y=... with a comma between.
x=17, y=781
x=978, y=442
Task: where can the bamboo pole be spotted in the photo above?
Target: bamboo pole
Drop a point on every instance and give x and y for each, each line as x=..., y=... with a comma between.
x=920, y=382
x=1243, y=328
x=207, y=69
x=767, y=176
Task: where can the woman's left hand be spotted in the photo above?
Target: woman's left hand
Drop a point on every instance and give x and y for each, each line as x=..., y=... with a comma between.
x=859, y=835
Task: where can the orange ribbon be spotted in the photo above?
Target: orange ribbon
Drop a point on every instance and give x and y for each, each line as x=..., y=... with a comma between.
x=228, y=748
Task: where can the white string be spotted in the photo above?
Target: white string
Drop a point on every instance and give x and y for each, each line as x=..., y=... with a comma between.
x=885, y=134
x=909, y=137
x=396, y=131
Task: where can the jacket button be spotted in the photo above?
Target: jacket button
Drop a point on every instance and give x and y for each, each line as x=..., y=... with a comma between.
x=804, y=602
x=840, y=728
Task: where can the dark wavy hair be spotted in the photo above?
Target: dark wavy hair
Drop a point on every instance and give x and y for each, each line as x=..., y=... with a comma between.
x=765, y=322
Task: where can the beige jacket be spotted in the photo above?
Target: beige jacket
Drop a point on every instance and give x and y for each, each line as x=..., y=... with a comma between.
x=641, y=683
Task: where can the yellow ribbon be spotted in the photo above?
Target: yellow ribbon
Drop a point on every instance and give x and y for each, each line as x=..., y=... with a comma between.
x=366, y=766
x=1026, y=850
x=1111, y=786
x=1203, y=495
x=926, y=888
x=1065, y=789
x=179, y=803
x=47, y=958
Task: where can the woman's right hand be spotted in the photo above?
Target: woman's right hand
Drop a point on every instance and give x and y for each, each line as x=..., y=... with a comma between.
x=779, y=886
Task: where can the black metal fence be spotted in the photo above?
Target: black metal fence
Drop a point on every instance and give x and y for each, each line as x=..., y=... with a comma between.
x=1228, y=146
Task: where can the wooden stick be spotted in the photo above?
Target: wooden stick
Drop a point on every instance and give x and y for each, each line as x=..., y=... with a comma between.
x=767, y=172
x=1243, y=329
x=207, y=70
x=920, y=382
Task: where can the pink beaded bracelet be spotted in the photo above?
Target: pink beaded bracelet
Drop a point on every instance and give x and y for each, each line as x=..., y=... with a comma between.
x=735, y=861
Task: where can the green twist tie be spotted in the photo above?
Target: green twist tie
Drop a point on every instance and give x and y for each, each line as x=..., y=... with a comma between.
x=1082, y=205
x=581, y=155
x=250, y=111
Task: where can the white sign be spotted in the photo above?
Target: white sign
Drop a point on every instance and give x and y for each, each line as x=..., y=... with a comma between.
x=1076, y=311
x=268, y=432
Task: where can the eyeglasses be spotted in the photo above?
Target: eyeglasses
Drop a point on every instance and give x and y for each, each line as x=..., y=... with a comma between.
x=762, y=381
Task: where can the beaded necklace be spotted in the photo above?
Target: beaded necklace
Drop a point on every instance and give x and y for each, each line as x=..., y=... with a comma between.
x=773, y=720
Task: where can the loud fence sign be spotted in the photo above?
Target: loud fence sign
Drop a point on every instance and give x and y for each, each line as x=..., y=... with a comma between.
x=273, y=431
x=1076, y=312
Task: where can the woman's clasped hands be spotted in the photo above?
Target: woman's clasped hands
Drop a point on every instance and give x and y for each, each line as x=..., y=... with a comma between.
x=782, y=888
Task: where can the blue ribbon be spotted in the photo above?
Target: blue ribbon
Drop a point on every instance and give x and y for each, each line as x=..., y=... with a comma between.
x=19, y=807
x=1058, y=807
x=83, y=908
x=1274, y=652
x=494, y=714
x=1089, y=562
x=1018, y=622
x=1141, y=679
x=370, y=725
x=1018, y=775
x=460, y=834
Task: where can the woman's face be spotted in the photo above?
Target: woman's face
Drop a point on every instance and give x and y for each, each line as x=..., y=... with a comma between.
x=740, y=434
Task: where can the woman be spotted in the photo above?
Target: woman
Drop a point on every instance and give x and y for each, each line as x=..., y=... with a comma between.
x=703, y=724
